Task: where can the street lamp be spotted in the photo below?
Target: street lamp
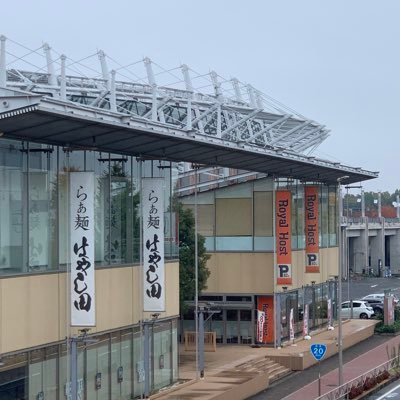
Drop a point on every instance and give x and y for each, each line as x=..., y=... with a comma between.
x=339, y=311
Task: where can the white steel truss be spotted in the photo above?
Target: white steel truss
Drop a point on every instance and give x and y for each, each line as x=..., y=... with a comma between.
x=215, y=107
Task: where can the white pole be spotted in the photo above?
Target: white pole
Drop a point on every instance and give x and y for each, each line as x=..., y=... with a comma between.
x=104, y=68
x=63, y=82
x=398, y=206
x=3, y=71
x=113, y=97
x=50, y=65
x=196, y=278
x=339, y=310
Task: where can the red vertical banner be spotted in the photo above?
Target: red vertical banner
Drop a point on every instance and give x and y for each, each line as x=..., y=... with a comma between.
x=311, y=204
x=283, y=232
x=265, y=319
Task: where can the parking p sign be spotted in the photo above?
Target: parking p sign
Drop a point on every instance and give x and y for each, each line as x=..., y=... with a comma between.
x=318, y=350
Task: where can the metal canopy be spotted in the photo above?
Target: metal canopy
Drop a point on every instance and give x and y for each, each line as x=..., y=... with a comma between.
x=53, y=122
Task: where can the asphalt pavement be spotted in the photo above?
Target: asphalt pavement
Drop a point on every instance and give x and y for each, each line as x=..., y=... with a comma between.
x=391, y=392
x=361, y=286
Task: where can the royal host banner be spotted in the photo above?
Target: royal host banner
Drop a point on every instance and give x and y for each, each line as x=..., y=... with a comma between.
x=153, y=244
x=265, y=319
x=283, y=231
x=311, y=202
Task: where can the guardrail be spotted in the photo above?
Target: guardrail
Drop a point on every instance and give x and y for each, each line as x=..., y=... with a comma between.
x=347, y=390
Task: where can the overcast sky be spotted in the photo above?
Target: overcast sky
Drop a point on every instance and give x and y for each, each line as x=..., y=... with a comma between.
x=336, y=62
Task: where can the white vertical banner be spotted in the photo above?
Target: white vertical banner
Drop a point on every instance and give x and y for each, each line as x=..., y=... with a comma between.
x=83, y=311
x=329, y=306
x=260, y=326
x=153, y=244
x=291, y=326
x=305, y=320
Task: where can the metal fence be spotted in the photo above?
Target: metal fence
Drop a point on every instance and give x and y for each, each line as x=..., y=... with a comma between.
x=316, y=296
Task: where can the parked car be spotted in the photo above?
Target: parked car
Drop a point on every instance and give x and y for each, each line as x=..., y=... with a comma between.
x=376, y=305
x=378, y=296
x=361, y=309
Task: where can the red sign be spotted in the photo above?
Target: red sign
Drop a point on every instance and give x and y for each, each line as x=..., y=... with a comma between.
x=311, y=201
x=265, y=304
x=283, y=230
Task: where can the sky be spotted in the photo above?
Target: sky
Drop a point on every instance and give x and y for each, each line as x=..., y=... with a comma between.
x=336, y=62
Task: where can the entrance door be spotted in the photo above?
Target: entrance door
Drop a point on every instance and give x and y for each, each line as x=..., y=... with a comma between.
x=246, y=330
x=232, y=326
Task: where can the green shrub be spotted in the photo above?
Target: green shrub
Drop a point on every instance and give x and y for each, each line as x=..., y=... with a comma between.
x=381, y=328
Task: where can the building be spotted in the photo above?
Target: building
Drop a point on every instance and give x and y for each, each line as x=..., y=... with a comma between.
x=372, y=244
x=88, y=170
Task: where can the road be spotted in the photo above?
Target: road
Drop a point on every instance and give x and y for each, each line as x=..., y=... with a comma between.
x=391, y=392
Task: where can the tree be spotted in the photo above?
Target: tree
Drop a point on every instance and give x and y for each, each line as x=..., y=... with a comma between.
x=187, y=257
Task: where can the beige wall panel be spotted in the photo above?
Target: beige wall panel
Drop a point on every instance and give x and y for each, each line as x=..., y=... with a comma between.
x=34, y=309
x=240, y=273
x=114, y=303
x=253, y=272
x=29, y=311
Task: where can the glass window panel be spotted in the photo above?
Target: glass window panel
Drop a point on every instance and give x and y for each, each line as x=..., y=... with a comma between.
x=120, y=208
x=138, y=365
x=332, y=216
x=102, y=208
x=97, y=371
x=234, y=217
x=161, y=355
x=263, y=210
x=42, y=183
x=205, y=217
x=13, y=206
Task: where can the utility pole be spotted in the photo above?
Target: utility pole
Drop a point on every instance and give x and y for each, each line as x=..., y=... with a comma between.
x=339, y=311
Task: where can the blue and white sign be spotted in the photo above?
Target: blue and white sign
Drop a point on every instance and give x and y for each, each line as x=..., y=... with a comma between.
x=318, y=350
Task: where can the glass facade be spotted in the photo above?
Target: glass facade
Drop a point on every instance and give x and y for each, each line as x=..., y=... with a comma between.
x=34, y=206
x=108, y=368
x=251, y=204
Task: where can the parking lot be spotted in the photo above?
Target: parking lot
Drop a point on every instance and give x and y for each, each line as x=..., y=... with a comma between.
x=360, y=287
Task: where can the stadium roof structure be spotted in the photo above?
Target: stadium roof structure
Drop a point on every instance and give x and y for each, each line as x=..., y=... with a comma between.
x=202, y=119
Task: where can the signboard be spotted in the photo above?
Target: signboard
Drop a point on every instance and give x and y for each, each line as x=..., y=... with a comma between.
x=318, y=350
x=83, y=311
x=260, y=326
x=311, y=202
x=265, y=305
x=283, y=232
x=153, y=244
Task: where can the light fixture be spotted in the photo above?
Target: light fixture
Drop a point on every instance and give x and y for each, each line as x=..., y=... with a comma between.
x=1, y=134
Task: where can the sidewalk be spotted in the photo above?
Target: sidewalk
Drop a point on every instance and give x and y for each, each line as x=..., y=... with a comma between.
x=351, y=370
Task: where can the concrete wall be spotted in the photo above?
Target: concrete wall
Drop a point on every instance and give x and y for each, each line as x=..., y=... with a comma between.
x=395, y=252
x=254, y=272
x=33, y=309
